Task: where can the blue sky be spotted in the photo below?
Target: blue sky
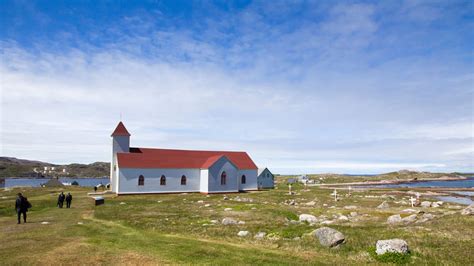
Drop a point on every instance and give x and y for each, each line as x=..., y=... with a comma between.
x=303, y=86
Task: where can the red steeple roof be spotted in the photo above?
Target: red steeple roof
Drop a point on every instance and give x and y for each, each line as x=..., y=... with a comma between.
x=120, y=130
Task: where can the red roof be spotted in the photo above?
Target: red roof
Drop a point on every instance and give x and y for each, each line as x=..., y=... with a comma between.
x=165, y=158
x=120, y=130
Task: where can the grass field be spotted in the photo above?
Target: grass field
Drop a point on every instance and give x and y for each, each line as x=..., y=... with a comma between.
x=179, y=229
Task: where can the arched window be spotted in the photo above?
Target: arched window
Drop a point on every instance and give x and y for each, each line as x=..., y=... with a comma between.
x=183, y=180
x=244, y=179
x=223, y=178
x=268, y=175
x=141, y=180
x=163, y=180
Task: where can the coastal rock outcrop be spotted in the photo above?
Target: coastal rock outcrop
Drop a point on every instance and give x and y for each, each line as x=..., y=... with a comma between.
x=469, y=210
x=328, y=237
x=391, y=245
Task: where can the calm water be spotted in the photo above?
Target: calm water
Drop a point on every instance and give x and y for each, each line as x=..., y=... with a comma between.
x=33, y=182
x=467, y=183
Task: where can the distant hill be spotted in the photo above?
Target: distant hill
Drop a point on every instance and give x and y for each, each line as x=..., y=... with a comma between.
x=13, y=167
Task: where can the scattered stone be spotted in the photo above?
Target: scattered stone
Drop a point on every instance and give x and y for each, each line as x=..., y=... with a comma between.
x=325, y=205
x=241, y=222
x=469, y=210
x=207, y=205
x=228, y=209
x=260, y=235
x=394, y=219
x=311, y=203
x=409, y=219
x=243, y=233
x=350, y=207
x=409, y=210
x=122, y=203
x=226, y=198
x=391, y=245
x=228, y=221
x=159, y=201
x=383, y=205
x=343, y=218
x=425, y=204
x=44, y=222
x=253, y=208
x=200, y=201
x=328, y=237
x=80, y=223
x=311, y=219
x=354, y=214
x=214, y=221
x=296, y=238
x=327, y=222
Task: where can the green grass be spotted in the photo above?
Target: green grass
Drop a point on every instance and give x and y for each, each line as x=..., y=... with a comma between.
x=176, y=229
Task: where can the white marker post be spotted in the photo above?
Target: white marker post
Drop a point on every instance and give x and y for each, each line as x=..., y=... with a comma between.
x=350, y=189
x=412, y=201
x=335, y=194
x=289, y=189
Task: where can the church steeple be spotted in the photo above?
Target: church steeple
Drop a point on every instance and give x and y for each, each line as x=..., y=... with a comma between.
x=120, y=130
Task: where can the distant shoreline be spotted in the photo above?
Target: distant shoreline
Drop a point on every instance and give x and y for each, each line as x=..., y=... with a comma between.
x=398, y=181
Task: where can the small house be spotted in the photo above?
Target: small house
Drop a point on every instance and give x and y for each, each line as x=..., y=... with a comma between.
x=265, y=178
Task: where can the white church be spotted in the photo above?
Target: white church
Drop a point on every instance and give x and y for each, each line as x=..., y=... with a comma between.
x=150, y=170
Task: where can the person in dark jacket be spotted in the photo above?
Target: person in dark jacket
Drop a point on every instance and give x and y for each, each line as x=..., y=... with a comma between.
x=21, y=206
x=68, y=200
x=61, y=200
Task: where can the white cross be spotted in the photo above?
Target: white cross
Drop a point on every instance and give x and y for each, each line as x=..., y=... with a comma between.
x=289, y=189
x=335, y=195
x=412, y=201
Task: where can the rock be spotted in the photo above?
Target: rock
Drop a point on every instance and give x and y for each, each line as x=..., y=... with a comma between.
x=409, y=219
x=311, y=203
x=409, y=210
x=228, y=221
x=328, y=237
x=241, y=222
x=80, y=223
x=469, y=210
x=228, y=209
x=122, y=203
x=327, y=222
x=243, y=233
x=350, y=207
x=253, y=208
x=200, y=201
x=343, y=218
x=391, y=245
x=425, y=204
x=311, y=219
x=44, y=222
x=260, y=235
x=226, y=198
x=296, y=238
x=214, y=221
x=207, y=205
x=394, y=219
x=354, y=214
x=428, y=216
x=383, y=205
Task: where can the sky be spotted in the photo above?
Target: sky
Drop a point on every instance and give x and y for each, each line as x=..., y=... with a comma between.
x=302, y=86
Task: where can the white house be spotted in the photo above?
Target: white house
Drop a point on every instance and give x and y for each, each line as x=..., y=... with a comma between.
x=265, y=178
x=149, y=170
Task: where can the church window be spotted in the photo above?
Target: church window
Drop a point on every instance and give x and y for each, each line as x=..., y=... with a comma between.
x=183, y=180
x=223, y=178
x=244, y=179
x=163, y=180
x=141, y=180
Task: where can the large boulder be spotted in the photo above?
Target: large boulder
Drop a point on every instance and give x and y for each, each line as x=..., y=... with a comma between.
x=409, y=219
x=228, y=221
x=311, y=219
x=426, y=204
x=394, y=219
x=328, y=237
x=469, y=210
x=383, y=205
x=391, y=245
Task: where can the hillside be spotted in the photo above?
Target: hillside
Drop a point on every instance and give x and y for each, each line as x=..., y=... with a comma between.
x=13, y=167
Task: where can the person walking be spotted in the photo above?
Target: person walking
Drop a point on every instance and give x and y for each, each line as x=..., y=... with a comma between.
x=21, y=205
x=61, y=200
x=68, y=200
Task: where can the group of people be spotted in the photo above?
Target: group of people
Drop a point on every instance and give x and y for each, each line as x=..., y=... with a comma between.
x=22, y=204
x=63, y=197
